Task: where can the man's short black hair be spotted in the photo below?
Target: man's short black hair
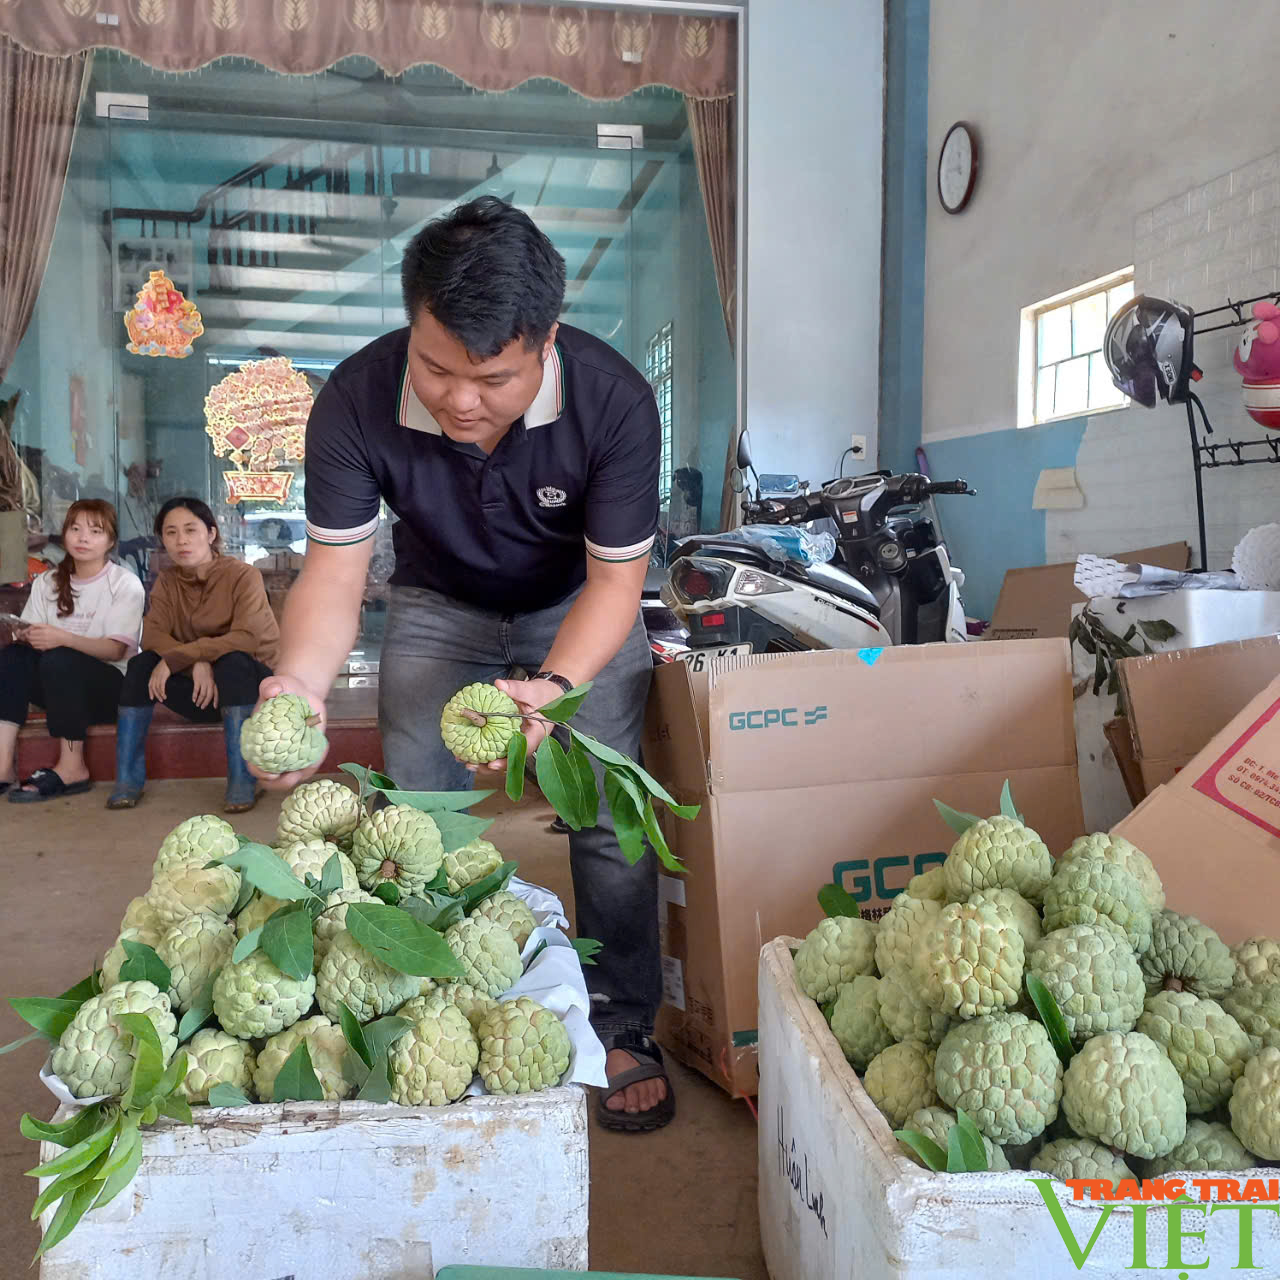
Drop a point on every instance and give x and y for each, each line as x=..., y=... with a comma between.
x=487, y=274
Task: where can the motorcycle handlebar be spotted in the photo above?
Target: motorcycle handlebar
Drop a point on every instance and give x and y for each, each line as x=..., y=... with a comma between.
x=950, y=486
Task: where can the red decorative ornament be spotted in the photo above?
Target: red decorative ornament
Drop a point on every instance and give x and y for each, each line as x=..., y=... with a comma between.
x=257, y=417
x=162, y=322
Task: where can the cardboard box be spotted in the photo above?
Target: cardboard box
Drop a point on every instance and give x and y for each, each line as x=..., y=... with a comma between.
x=1035, y=603
x=1213, y=831
x=817, y=767
x=1177, y=701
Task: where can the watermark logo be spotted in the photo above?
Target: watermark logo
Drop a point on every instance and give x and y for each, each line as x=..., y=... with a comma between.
x=1176, y=1198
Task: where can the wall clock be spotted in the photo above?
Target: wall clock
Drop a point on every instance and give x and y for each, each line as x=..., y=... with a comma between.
x=958, y=167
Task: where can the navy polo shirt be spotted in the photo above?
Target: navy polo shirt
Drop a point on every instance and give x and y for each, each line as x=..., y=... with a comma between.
x=510, y=531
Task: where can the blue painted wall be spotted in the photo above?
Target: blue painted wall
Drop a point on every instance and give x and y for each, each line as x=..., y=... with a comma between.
x=998, y=530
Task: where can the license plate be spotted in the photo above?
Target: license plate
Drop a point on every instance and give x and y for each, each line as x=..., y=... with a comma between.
x=699, y=658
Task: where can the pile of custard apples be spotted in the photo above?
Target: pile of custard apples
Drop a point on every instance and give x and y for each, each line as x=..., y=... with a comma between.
x=194, y=914
x=1171, y=1038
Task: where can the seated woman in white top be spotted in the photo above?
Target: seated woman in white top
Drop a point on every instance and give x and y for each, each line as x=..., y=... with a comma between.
x=81, y=624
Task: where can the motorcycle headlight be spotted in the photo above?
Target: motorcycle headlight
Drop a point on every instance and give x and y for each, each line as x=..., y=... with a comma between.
x=751, y=583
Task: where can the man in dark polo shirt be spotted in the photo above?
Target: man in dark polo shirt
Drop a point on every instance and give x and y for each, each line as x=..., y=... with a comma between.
x=520, y=457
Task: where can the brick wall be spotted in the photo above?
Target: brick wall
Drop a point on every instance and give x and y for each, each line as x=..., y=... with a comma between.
x=1217, y=240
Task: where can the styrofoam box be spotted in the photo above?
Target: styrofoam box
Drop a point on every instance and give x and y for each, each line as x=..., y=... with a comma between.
x=345, y=1191
x=839, y=1200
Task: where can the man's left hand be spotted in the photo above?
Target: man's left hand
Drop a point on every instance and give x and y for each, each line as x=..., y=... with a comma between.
x=529, y=696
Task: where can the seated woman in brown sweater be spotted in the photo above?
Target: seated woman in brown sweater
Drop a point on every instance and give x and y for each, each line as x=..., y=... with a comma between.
x=208, y=639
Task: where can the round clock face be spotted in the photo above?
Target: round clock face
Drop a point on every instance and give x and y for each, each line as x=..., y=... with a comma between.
x=956, y=169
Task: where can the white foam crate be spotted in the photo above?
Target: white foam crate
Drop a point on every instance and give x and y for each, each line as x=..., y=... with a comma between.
x=838, y=1200
x=345, y=1191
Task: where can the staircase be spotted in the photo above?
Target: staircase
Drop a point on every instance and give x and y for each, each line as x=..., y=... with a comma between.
x=300, y=252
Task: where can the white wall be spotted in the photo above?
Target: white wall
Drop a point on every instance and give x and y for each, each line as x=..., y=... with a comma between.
x=814, y=123
x=1103, y=126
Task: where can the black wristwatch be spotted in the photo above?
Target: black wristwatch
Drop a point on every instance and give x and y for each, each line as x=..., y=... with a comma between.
x=555, y=679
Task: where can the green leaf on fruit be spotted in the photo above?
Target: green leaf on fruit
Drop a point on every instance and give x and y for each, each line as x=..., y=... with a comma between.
x=288, y=941
x=227, y=1095
x=268, y=872
x=144, y=965
x=437, y=911
x=84, y=1153
x=587, y=949
x=457, y=829
x=331, y=876
x=354, y=1034
x=69, y=1132
x=402, y=942
x=957, y=821
x=389, y=892
x=965, y=1144
x=659, y=841
x=474, y=894
x=297, y=1079
x=837, y=901
x=148, y=1059
x=246, y=894
x=1007, y=806
x=50, y=1016
x=925, y=1147
x=1051, y=1015
x=377, y=1085
x=382, y=1033
x=435, y=802
x=73, y=1207
x=580, y=762
x=247, y=945
x=566, y=705
x=517, y=754
x=129, y=1152
x=559, y=782
x=84, y=989
x=68, y=1182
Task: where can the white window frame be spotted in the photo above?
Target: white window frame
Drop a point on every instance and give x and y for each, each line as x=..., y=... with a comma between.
x=1028, y=348
x=662, y=380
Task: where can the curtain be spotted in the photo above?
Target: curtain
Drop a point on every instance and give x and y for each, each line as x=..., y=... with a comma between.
x=711, y=126
x=599, y=53
x=39, y=100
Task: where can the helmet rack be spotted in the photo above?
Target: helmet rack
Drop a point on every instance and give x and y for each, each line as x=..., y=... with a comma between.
x=1206, y=454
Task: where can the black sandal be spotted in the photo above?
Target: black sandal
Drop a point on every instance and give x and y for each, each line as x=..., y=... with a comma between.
x=48, y=785
x=642, y=1121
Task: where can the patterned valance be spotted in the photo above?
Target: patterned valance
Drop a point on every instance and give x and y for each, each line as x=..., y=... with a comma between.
x=599, y=53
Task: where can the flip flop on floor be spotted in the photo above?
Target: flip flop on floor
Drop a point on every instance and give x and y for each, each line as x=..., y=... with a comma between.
x=640, y=1047
x=48, y=785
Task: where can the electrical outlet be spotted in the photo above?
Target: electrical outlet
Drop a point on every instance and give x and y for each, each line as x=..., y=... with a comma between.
x=858, y=445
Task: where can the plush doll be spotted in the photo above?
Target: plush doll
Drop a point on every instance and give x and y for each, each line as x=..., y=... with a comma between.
x=1257, y=361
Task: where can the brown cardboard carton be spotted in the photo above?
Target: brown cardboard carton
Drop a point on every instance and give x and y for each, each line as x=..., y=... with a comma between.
x=1036, y=603
x=823, y=766
x=1177, y=701
x=1213, y=831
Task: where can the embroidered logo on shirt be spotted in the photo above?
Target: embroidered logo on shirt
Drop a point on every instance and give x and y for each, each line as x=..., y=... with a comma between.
x=550, y=497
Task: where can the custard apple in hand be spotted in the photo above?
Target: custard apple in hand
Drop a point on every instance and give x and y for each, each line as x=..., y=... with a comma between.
x=523, y=1047
x=279, y=738
x=478, y=723
x=95, y=1054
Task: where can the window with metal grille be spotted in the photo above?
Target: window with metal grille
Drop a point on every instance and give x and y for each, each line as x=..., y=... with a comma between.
x=1063, y=372
x=657, y=368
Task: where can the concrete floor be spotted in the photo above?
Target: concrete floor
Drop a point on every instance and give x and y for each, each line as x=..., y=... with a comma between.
x=678, y=1202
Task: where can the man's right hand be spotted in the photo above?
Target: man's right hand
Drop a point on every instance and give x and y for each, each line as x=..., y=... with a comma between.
x=272, y=687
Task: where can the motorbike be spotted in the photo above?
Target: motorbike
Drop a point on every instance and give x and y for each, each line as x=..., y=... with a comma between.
x=890, y=581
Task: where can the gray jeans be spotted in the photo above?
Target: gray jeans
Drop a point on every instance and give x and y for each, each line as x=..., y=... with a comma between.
x=434, y=646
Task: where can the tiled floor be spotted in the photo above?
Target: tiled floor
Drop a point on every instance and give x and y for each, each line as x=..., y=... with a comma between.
x=681, y=1201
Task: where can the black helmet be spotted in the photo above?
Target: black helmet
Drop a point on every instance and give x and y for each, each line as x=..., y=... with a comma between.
x=1148, y=350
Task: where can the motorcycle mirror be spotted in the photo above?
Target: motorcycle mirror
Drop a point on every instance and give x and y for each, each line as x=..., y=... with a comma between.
x=744, y=453
x=738, y=480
